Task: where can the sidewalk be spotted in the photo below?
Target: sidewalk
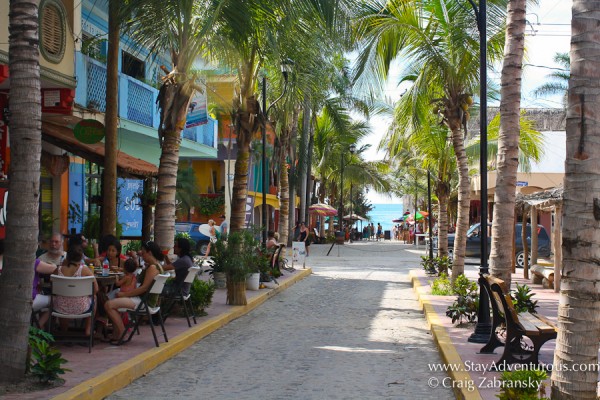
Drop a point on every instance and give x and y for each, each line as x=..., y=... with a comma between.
x=471, y=381
x=109, y=368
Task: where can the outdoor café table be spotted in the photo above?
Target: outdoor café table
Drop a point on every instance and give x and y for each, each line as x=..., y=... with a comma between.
x=107, y=283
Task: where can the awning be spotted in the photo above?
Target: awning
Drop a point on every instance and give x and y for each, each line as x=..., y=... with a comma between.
x=58, y=130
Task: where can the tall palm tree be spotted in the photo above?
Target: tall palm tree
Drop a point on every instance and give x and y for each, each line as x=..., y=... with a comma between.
x=23, y=201
x=578, y=306
x=501, y=256
x=179, y=28
x=437, y=40
x=247, y=36
x=109, y=176
x=560, y=79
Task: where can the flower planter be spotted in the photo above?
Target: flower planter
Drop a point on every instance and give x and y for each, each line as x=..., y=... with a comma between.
x=253, y=281
x=220, y=279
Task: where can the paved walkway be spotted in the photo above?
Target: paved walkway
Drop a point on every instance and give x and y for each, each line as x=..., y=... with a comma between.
x=353, y=329
x=474, y=381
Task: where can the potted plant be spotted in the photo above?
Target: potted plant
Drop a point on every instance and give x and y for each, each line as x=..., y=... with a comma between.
x=219, y=257
x=239, y=249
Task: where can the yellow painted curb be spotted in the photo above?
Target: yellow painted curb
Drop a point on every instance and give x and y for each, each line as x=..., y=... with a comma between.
x=447, y=350
x=123, y=374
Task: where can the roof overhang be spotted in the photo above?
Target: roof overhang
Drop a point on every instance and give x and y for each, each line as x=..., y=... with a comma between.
x=58, y=130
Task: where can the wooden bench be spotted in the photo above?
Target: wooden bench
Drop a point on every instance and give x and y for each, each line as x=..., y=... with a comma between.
x=509, y=328
x=542, y=275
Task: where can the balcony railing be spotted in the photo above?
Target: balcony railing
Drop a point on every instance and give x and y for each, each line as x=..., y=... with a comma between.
x=137, y=100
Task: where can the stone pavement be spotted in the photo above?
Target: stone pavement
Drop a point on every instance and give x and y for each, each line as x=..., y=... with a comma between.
x=351, y=330
x=108, y=368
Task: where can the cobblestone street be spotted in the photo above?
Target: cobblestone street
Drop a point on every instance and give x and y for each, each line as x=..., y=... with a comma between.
x=352, y=330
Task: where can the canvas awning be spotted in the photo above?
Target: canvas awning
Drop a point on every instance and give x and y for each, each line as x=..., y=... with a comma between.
x=58, y=130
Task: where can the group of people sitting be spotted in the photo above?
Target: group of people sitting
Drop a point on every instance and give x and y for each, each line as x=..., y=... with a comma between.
x=139, y=271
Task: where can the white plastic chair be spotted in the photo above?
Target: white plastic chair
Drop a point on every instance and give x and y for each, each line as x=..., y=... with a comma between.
x=186, y=300
x=73, y=287
x=144, y=310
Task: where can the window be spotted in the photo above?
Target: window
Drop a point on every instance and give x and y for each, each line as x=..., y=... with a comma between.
x=132, y=66
x=52, y=30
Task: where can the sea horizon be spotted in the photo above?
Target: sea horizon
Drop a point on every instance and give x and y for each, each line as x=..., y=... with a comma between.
x=384, y=214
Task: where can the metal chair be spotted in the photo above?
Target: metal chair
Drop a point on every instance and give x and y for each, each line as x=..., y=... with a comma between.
x=66, y=286
x=143, y=309
x=186, y=299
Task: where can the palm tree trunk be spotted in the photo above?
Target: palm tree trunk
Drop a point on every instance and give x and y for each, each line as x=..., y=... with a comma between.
x=245, y=126
x=174, y=107
x=303, y=157
x=292, y=174
x=284, y=187
x=507, y=158
x=109, y=178
x=462, y=221
x=579, y=304
x=23, y=201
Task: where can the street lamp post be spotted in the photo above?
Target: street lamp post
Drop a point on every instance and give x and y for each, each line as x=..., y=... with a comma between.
x=484, y=325
x=430, y=219
x=286, y=67
x=352, y=150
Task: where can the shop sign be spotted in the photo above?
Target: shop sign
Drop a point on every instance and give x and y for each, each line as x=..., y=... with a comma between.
x=522, y=183
x=129, y=209
x=89, y=131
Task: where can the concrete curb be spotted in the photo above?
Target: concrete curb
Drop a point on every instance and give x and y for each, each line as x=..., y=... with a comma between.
x=447, y=350
x=123, y=374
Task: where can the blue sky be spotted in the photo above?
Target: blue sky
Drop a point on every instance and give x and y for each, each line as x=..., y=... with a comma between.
x=548, y=32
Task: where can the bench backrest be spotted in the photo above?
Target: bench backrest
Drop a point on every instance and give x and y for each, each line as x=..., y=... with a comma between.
x=501, y=300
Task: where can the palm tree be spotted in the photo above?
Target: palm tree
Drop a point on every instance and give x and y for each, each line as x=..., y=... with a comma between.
x=178, y=28
x=187, y=194
x=560, y=79
x=248, y=35
x=23, y=202
x=501, y=256
x=438, y=42
x=578, y=306
x=109, y=178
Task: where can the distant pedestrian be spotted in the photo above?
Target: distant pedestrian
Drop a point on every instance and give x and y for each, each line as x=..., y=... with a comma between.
x=378, y=231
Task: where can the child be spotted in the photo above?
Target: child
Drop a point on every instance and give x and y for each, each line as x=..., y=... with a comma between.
x=129, y=280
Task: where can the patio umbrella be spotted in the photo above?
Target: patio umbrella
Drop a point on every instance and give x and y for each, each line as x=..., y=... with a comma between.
x=354, y=217
x=322, y=209
x=421, y=214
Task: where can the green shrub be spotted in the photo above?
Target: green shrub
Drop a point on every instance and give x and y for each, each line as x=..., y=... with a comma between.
x=521, y=384
x=436, y=265
x=132, y=245
x=429, y=265
x=467, y=302
x=522, y=299
x=201, y=294
x=441, y=286
x=48, y=360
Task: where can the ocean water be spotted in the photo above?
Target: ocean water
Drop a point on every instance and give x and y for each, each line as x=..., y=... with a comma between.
x=384, y=214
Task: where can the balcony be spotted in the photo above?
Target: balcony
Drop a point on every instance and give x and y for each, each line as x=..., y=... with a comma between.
x=137, y=100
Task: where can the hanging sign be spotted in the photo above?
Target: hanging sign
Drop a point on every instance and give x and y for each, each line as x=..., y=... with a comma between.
x=89, y=131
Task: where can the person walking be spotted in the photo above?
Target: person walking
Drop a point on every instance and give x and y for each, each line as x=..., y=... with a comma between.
x=378, y=231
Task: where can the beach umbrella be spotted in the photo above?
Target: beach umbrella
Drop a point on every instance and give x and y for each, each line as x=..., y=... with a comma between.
x=322, y=209
x=354, y=217
x=421, y=215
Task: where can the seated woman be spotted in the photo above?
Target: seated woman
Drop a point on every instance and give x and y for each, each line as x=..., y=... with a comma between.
x=73, y=267
x=181, y=265
x=41, y=297
x=271, y=241
x=152, y=256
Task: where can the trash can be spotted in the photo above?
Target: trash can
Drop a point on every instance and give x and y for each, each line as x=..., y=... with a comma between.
x=387, y=235
x=339, y=237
